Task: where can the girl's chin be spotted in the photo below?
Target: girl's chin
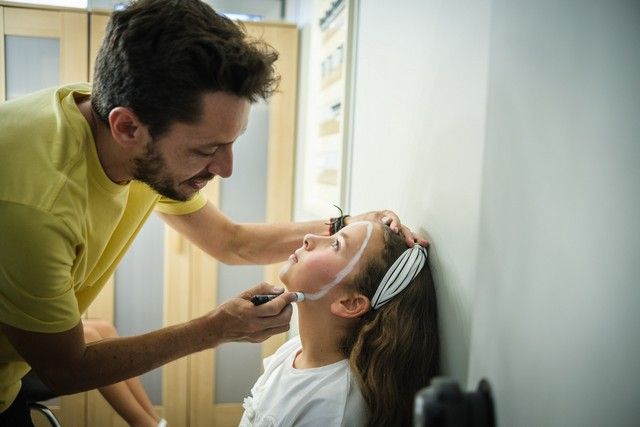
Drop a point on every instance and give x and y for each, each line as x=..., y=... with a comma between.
x=283, y=272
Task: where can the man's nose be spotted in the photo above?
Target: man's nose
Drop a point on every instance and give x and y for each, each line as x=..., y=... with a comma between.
x=222, y=162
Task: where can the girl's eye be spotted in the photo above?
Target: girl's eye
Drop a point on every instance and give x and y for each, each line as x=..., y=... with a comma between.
x=336, y=244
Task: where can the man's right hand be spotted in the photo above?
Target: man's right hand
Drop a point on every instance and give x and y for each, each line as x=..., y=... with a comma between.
x=239, y=320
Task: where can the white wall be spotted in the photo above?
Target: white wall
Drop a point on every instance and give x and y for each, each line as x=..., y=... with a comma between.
x=510, y=131
x=419, y=129
x=558, y=300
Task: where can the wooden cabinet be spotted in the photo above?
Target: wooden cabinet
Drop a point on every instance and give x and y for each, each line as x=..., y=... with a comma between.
x=41, y=48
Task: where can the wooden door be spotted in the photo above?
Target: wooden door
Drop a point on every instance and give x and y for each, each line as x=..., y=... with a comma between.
x=41, y=48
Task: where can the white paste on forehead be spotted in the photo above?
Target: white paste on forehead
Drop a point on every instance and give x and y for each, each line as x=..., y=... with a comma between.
x=347, y=269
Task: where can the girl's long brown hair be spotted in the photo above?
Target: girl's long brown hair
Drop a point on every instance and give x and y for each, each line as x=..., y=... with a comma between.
x=394, y=350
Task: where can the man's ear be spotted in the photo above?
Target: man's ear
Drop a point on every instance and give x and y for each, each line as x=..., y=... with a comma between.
x=351, y=306
x=127, y=129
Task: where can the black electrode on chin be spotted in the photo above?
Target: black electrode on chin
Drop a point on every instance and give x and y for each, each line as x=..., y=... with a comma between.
x=261, y=299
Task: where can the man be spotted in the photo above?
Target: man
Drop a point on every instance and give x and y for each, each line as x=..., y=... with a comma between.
x=82, y=168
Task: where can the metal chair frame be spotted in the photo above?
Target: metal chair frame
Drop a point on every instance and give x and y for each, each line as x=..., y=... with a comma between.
x=44, y=410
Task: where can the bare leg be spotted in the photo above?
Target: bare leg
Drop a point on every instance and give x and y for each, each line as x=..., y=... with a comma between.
x=106, y=330
x=127, y=398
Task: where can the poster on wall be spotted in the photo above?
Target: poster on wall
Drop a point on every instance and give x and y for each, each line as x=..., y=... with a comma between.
x=325, y=160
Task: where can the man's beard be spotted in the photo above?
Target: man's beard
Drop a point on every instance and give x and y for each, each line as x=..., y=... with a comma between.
x=149, y=169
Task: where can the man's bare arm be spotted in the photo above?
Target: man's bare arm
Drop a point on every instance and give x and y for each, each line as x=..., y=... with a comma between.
x=67, y=365
x=237, y=243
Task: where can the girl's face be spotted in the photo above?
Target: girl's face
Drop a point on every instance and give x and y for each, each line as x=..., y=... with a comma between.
x=326, y=261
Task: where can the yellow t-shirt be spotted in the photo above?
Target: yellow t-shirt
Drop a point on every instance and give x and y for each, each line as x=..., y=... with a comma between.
x=64, y=225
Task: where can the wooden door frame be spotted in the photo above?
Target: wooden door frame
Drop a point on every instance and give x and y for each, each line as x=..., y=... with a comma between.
x=2, y=65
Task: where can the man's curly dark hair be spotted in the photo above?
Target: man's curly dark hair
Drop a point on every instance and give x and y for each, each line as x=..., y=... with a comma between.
x=160, y=56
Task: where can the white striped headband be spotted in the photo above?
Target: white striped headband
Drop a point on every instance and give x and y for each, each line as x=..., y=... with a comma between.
x=399, y=275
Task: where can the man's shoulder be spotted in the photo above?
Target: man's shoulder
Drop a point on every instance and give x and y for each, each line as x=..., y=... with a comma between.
x=42, y=146
x=27, y=106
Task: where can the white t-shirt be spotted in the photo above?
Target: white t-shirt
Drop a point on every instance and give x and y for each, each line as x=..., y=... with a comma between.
x=285, y=396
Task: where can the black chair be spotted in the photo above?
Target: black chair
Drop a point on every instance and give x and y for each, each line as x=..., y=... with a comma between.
x=36, y=391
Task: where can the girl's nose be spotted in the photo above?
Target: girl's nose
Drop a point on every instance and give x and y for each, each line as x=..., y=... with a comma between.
x=312, y=241
x=222, y=162
x=309, y=242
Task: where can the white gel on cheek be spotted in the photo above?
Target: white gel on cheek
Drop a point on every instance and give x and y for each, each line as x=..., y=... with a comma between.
x=285, y=268
x=346, y=270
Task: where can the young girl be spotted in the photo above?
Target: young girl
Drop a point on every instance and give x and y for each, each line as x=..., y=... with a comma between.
x=368, y=334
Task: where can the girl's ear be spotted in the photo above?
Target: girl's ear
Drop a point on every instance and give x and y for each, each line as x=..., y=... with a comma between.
x=351, y=306
x=127, y=129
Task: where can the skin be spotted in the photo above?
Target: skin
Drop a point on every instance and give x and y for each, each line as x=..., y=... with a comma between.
x=324, y=322
x=183, y=160
x=190, y=155
x=343, y=243
x=128, y=398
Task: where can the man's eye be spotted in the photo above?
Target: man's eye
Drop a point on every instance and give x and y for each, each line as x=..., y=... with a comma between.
x=207, y=153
